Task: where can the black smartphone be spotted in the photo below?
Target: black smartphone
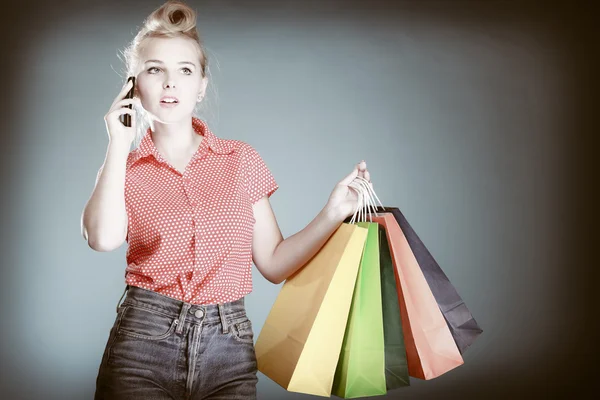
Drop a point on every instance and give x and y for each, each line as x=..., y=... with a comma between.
x=126, y=118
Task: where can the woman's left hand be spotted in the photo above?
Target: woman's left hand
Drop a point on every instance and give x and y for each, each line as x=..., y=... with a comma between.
x=344, y=198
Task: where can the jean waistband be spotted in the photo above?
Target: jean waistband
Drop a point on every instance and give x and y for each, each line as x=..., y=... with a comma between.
x=209, y=313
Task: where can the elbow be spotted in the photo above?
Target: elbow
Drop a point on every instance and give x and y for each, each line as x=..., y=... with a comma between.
x=97, y=246
x=275, y=279
x=101, y=243
x=103, y=246
x=271, y=277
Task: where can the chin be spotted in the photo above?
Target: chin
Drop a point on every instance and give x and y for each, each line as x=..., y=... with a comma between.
x=170, y=117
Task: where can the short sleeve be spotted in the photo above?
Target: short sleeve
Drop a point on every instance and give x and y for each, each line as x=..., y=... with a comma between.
x=259, y=180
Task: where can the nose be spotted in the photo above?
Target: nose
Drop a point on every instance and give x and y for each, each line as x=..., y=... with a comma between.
x=169, y=83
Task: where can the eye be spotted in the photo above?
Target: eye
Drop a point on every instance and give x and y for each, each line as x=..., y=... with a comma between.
x=185, y=68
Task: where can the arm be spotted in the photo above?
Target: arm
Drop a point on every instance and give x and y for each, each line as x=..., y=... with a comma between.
x=104, y=218
x=277, y=259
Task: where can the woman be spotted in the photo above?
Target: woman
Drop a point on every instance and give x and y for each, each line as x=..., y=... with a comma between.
x=195, y=211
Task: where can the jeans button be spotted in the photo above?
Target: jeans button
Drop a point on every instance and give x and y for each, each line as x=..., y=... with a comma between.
x=199, y=313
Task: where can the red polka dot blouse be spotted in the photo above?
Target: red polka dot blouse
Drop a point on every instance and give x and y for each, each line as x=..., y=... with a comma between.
x=190, y=235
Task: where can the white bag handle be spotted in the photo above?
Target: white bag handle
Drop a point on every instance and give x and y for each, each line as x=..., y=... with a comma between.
x=365, y=198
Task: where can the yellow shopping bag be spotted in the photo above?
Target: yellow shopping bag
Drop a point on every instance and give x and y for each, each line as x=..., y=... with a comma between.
x=300, y=342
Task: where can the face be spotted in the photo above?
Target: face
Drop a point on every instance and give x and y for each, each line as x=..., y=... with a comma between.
x=175, y=71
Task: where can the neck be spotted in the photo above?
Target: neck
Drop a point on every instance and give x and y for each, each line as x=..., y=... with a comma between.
x=175, y=139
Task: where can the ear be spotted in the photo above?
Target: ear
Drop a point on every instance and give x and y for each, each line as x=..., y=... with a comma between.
x=203, y=86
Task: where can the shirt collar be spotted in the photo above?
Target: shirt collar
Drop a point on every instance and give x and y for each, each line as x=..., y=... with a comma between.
x=210, y=141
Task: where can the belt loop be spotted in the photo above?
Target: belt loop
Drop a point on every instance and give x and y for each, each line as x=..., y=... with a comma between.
x=124, y=291
x=223, y=317
x=184, y=310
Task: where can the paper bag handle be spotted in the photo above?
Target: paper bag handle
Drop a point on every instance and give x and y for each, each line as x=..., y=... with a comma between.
x=366, y=195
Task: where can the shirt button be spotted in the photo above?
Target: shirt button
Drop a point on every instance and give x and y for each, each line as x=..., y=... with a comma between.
x=199, y=313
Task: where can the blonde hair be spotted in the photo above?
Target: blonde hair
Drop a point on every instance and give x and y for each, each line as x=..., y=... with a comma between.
x=173, y=19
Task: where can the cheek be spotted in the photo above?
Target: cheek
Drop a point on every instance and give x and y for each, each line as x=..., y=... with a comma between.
x=145, y=82
x=142, y=86
x=143, y=91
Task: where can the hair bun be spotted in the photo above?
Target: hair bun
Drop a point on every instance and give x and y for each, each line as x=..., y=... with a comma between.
x=172, y=17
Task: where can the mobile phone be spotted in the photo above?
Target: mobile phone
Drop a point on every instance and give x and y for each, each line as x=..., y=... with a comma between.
x=126, y=118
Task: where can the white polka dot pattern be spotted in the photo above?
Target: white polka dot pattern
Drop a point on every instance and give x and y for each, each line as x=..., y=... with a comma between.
x=190, y=235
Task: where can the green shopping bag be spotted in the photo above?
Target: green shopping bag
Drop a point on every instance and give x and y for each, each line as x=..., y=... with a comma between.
x=396, y=366
x=361, y=367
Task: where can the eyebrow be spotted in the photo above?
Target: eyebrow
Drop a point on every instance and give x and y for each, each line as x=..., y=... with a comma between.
x=160, y=62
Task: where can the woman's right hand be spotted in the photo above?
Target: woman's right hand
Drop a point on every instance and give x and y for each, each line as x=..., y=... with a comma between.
x=117, y=131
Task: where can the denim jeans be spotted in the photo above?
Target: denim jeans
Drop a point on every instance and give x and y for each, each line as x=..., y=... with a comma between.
x=163, y=348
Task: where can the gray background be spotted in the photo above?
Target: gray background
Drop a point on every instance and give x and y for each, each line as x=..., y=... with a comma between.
x=464, y=111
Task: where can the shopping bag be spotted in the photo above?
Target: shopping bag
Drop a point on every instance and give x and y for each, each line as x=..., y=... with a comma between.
x=462, y=325
x=430, y=348
x=361, y=367
x=396, y=367
x=300, y=342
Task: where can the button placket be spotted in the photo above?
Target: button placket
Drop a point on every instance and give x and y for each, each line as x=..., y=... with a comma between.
x=188, y=190
x=201, y=200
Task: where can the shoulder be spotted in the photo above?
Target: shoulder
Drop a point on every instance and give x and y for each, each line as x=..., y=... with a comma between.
x=246, y=156
x=238, y=147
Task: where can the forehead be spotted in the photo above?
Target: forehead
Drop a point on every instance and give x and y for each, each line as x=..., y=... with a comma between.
x=169, y=50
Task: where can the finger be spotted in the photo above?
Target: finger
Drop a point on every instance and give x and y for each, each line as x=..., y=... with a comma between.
x=126, y=102
x=367, y=175
x=350, y=177
x=122, y=103
x=362, y=167
x=356, y=187
x=120, y=111
x=127, y=86
x=123, y=92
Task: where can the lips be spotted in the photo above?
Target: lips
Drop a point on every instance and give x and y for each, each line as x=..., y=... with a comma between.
x=169, y=100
